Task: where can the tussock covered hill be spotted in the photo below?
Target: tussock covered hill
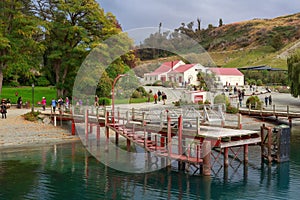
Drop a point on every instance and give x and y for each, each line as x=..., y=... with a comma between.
x=276, y=32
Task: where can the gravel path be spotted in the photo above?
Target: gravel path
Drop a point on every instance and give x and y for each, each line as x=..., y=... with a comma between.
x=17, y=132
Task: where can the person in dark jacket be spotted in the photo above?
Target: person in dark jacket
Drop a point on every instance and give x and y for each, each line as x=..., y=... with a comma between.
x=3, y=109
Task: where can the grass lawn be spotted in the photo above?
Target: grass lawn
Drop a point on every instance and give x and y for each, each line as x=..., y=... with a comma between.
x=26, y=94
x=49, y=93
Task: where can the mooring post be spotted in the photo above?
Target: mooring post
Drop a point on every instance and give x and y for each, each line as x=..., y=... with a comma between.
x=226, y=160
x=240, y=121
x=169, y=139
x=128, y=144
x=73, y=127
x=106, y=125
x=54, y=120
x=269, y=144
x=246, y=158
x=262, y=136
x=180, y=135
x=86, y=116
x=169, y=136
x=206, y=158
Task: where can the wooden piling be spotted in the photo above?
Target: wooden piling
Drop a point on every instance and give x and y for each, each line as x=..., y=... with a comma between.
x=73, y=127
x=240, y=121
x=246, y=158
x=226, y=159
x=106, y=124
x=206, y=158
x=86, y=118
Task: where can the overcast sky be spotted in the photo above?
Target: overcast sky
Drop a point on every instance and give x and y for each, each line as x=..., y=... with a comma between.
x=133, y=14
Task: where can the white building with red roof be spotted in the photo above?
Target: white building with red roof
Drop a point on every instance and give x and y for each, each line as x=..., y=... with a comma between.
x=228, y=76
x=176, y=72
x=186, y=74
x=161, y=73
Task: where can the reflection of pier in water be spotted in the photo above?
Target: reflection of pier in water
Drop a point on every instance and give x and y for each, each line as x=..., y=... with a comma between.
x=167, y=137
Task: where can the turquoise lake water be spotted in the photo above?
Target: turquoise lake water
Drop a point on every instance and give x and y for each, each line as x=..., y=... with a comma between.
x=68, y=171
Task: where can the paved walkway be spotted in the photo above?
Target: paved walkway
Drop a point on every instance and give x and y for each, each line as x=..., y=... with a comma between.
x=17, y=132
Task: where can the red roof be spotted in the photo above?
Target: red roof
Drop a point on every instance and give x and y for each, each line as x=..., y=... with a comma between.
x=165, y=67
x=183, y=68
x=226, y=71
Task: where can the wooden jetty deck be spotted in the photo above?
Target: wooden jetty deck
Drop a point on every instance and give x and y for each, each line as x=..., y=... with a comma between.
x=188, y=145
x=273, y=111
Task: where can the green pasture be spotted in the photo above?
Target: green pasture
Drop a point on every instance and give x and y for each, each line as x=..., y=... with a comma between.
x=26, y=94
x=49, y=93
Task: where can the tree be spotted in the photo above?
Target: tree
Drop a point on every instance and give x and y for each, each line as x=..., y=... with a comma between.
x=220, y=22
x=277, y=41
x=20, y=35
x=73, y=29
x=294, y=73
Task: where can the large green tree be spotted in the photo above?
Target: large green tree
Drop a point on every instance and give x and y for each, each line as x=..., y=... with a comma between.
x=294, y=73
x=74, y=28
x=20, y=36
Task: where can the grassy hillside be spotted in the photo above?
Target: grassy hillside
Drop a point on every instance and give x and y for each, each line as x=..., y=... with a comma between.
x=248, y=43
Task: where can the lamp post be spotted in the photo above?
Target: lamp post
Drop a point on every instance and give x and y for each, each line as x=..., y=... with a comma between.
x=32, y=106
x=113, y=95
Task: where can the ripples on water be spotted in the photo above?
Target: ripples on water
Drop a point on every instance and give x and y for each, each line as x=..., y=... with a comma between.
x=69, y=172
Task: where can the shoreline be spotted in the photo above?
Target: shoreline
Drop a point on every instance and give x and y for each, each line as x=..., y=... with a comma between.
x=16, y=132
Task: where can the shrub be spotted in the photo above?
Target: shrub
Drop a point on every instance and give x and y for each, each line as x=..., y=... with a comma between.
x=254, y=101
x=136, y=94
x=157, y=83
x=231, y=109
x=167, y=84
x=31, y=116
x=43, y=81
x=14, y=84
x=259, y=82
x=219, y=99
x=104, y=101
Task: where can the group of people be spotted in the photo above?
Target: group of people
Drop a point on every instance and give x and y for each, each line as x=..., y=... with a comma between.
x=61, y=104
x=268, y=100
x=160, y=96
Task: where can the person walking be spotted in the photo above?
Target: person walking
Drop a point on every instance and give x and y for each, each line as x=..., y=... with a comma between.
x=270, y=100
x=53, y=105
x=159, y=95
x=3, y=110
x=44, y=102
x=67, y=103
x=240, y=98
x=155, y=98
x=266, y=100
x=96, y=103
x=164, y=98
